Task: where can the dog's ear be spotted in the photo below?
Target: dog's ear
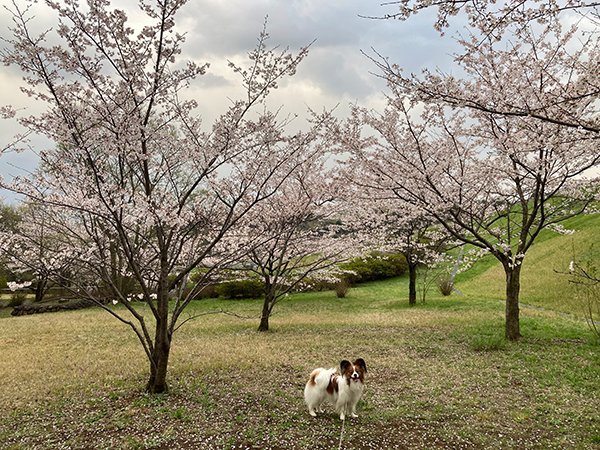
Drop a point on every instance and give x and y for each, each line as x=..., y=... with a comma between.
x=361, y=363
x=344, y=365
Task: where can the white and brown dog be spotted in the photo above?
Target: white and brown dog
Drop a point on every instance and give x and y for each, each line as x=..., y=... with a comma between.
x=343, y=388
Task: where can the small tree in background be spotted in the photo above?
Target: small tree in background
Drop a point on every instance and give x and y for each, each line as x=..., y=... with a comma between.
x=9, y=220
x=586, y=279
x=35, y=249
x=390, y=226
x=296, y=234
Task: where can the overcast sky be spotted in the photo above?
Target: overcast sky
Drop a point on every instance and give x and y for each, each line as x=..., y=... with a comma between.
x=335, y=71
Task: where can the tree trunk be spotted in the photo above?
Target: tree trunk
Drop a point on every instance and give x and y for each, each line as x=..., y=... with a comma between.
x=266, y=309
x=40, y=290
x=412, y=284
x=513, y=286
x=159, y=359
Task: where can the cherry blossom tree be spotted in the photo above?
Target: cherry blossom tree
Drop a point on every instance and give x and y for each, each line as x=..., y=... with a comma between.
x=492, y=17
x=496, y=151
x=148, y=191
x=421, y=243
x=521, y=58
x=388, y=225
x=296, y=234
x=491, y=181
x=34, y=249
x=9, y=220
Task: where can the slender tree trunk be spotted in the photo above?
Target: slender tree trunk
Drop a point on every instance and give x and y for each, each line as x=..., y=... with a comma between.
x=513, y=286
x=412, y=284
x=159, y=360
x=266, y=309
x=40, y=290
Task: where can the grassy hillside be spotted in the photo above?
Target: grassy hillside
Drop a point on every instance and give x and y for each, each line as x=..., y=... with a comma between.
x=544, y=282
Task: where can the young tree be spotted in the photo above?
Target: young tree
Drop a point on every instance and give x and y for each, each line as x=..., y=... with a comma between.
x=584, y=276
x=147, y=192
x=388, y=225
x=422, y=244
x=296, y=233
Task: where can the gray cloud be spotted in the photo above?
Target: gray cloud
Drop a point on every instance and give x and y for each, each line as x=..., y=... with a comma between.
x=334, y=71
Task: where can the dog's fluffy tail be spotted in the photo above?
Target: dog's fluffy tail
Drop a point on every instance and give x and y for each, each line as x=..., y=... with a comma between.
x=320, y=377
x=313, y=375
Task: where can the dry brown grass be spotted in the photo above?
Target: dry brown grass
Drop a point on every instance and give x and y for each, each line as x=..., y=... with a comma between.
x=75, y=379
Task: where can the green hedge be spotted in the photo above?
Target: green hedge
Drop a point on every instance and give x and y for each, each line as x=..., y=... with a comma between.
x=241, y=289
x=376, y=266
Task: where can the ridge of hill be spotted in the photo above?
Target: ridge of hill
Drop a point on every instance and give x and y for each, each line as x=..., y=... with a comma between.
x=544, y=278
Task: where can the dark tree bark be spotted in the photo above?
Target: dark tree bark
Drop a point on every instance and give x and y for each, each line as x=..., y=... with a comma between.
x=159, y=362
x=159, y=357
x=266, y=309
x=412, y=284
x=513, y=287
x=40, y=289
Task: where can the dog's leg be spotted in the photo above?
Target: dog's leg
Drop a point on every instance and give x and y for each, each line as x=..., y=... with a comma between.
x=313, y=406
x=341, y=408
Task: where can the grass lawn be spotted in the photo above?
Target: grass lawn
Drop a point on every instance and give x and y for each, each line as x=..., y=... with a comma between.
x=440, y=376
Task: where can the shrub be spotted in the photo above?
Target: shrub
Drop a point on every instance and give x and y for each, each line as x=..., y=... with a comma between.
x=241, y=289
x=341, y=288
x=208, y=291
x=17, y=298
x=446, y=286
x=376, y=266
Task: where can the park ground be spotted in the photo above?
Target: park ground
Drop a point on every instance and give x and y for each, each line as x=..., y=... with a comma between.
x=440, y=374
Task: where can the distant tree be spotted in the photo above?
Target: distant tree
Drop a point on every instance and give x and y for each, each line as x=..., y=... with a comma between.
x=35, y=249
x=9, y=217
x=133, y=169
x=9, y=220
x=387, y=225
x=422, y=244
x=295, y=234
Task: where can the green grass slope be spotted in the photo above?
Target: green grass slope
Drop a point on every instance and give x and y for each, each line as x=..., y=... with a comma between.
x=544, y=279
